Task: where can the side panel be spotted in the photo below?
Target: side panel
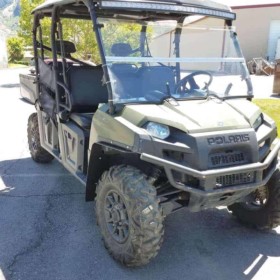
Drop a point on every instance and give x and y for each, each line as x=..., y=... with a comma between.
x=48, y=134
x=74, y=146
x=67, y=142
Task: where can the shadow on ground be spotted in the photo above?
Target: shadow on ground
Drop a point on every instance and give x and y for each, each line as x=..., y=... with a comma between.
x=10, y=85
x=275, y=95
x=48, y=231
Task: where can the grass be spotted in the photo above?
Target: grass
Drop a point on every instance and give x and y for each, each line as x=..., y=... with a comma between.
x=272, y=108
x=16, y=65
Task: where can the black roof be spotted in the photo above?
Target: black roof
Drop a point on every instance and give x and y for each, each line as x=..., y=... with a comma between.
x=172, y=6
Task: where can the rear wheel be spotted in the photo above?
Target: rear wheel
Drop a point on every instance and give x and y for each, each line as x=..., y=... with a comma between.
x=129, y=215
x=38, y=153
x=262, y=209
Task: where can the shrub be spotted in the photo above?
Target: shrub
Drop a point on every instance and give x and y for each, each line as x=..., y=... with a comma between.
x=15, y=48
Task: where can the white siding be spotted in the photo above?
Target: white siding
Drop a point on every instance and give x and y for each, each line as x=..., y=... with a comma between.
x=253, y=26
x=274, y=34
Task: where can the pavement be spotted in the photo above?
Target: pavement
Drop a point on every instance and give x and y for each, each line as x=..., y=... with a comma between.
x=49, y=232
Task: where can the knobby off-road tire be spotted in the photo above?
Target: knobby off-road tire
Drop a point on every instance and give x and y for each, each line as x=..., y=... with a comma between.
x=129, y=215
x=38, y=154
x=266, y=216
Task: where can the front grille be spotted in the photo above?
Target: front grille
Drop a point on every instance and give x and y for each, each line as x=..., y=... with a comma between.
x=235, y=179
x=229, y=158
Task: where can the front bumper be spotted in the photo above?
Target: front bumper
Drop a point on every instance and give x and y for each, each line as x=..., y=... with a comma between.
x=262, y=173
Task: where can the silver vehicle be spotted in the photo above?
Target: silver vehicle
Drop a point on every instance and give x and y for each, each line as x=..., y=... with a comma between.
x=165, y=122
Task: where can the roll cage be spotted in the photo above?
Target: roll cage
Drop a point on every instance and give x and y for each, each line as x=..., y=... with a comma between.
x=91, y=10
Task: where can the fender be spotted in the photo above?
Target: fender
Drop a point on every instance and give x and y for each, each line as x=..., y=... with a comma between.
x=102, y=157
x=98, y=163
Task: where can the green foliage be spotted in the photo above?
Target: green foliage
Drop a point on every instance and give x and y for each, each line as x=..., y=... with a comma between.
x=120, y=33
x=25, y=63
x=26, y=19
x=271, y=107
x=15, y=48
x=80, y=32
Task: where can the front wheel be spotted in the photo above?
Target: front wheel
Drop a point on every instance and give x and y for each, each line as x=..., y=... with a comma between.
x=129, y=215
x=262, y=209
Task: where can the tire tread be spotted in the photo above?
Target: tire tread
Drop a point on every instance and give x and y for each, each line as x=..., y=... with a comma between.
x=146, y=234
x=267, y=217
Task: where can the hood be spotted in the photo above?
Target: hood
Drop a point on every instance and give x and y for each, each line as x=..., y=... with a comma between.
x=194, y=116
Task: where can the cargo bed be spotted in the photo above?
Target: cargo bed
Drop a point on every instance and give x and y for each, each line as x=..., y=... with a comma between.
x=28, y=87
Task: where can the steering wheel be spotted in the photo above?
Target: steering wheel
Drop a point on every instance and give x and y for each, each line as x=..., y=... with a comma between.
x=188, y=83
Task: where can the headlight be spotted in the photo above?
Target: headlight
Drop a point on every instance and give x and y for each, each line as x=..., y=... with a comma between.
x=258, y=122
x=157, y=130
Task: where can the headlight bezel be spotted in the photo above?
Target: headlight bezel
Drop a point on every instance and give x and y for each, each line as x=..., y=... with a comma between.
x=258, y=122
x=157, y=130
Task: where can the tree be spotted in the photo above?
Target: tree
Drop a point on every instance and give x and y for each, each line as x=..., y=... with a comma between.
x=80, y=32
x=121, y=33
x=26, y=19
x=15, y=49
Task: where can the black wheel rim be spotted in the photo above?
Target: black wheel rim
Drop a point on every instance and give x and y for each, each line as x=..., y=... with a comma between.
x=258, y=199
x=116, y=216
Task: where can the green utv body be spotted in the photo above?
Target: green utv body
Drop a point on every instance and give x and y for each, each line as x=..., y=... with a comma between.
x=164, y=122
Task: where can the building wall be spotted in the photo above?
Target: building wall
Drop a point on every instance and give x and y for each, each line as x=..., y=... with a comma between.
x=3, y=50
x=253, y=25
x=197, y=41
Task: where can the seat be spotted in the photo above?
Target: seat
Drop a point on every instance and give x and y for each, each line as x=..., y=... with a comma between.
x=83, y=120
x=126, y=79
x=47, y=77
x=156, y=78
x=86, y=93
x=86, y=88
x=124, y=73
x=69, y=47
x=122, y=49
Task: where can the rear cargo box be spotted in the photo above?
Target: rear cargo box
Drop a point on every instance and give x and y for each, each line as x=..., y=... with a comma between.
x=28, y=87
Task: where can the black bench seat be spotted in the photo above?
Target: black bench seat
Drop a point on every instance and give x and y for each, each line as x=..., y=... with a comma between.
x=86, y=88
x=83, y=120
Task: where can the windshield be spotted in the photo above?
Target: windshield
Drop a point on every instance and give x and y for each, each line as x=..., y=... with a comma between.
x=154, y=60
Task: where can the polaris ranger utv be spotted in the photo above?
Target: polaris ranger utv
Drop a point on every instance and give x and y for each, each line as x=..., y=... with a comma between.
x=165, y=122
